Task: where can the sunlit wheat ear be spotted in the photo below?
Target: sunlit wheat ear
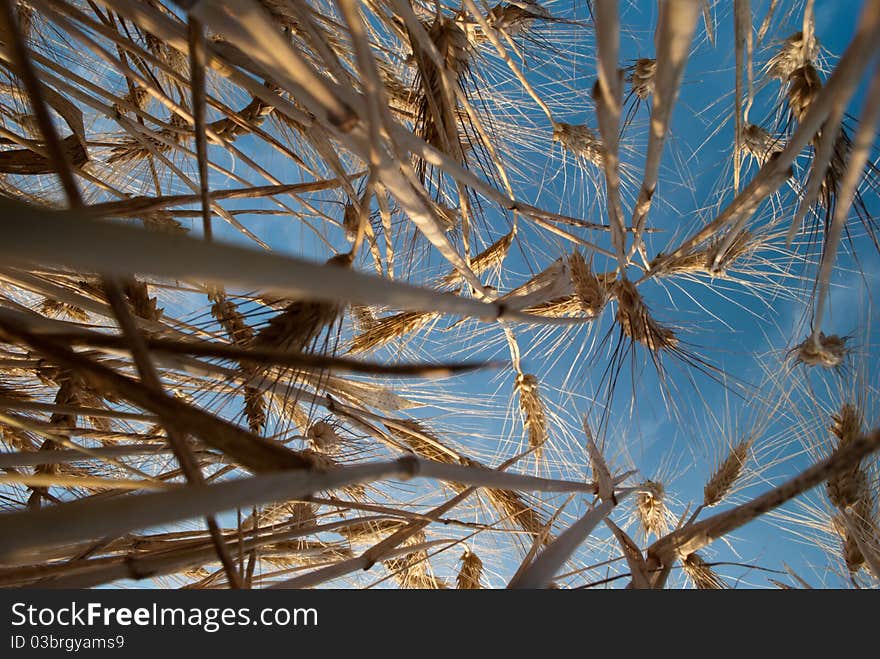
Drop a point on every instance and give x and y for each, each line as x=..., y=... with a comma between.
x=322, y=462
x=371, y=531
x=137, y=97
x=54, y=308
x=175, y=59
x=804, y=84
x=303, y=552
x=516, y=17
x=437, y=107
x=532, y=408
x=323, y=437
x=599, y=467
x=580, y=141
x=300, y=321
x=133, y=150
x=793, y=54
x=382, y=331
x=14, y=392
x=470, y=572
x=725, y=476
x=760, y=144
x=590, y=289
x=230, y=318
x=363, y=317
x=825, y=351
x=850, y=486
x=24, y=14
x=651, y=510
x=351, y=221
x=142, y=305
x=412, y=570
x=700, y=574
x=560, y=307
x=636, y=321
x=491, y=257
x=448, y=218
x=298, y=514
x=241, y=334
x=69, y=391
x=720, y=257
x=251, y=117
x=858, y=531
x=641, y=79
x=255, y=409
x=511, y=505
x=422, y=440
x=703, y=261
x=512, y=19
x=163, y=222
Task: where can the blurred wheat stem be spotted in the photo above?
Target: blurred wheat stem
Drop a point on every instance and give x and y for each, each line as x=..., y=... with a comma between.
x=672, y=41
x=84, y=243
x=52, y=526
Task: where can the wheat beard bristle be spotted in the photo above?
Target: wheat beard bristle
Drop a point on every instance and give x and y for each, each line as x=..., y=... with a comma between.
x=636, y=321
x=532, y=408
x=726, y=475
x=470, y=572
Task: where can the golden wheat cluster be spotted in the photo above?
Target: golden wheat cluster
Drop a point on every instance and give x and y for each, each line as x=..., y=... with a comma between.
x=432, y=294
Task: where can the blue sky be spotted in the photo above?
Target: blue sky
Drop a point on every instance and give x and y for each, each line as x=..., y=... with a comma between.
x=743, y=334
